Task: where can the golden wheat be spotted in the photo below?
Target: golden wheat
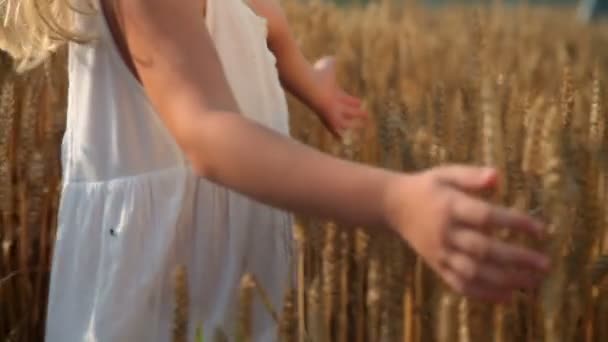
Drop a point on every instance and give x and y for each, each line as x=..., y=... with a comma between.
x=516, y=88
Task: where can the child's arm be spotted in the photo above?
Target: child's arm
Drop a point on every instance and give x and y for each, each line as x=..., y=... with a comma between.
x=183, y=78
x=316, y=85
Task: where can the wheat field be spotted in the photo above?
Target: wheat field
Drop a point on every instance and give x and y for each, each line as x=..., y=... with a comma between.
x=520, y=88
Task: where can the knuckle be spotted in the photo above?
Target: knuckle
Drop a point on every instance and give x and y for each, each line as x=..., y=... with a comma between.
x=468, y=289
x=501, y=280
x=443, y=258
x=517, y=280
x=472, y=274
x=503, y=277
x=485, y=217
x=443, y=209
x=434, y=186
x=445, y=238
x=445, y=202
x=482, y=251
x=448, y=200
x=451, y=280
x=459, y=286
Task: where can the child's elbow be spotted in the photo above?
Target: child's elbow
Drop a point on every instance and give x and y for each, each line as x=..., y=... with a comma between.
x=199, y=147
x=199, y=167
x=206, y=141
x=200, y=163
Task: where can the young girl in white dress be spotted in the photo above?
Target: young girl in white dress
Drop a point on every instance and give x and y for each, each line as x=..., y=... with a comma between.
x=177, y=152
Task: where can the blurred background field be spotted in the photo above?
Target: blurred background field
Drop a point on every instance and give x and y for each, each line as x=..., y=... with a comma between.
x=465, y=2
x=520, y=87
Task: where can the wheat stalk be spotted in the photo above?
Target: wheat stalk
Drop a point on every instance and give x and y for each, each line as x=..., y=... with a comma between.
x=180, y=320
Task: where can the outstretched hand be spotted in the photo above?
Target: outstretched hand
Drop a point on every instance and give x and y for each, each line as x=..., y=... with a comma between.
x=339, y=111
x=451, y=230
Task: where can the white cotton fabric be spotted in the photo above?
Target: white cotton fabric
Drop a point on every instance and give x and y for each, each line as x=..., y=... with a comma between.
x=132, y=209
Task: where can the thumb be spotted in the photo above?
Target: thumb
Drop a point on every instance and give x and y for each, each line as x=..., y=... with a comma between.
x=333, y=129
x=469, y=179
x=332, y=126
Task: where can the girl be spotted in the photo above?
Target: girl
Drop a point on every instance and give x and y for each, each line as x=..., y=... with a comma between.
x=177, y=152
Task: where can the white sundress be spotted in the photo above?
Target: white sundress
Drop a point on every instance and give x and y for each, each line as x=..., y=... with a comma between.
x=132, y=209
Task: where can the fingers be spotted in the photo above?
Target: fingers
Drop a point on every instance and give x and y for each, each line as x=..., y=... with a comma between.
x=349, y=100
x=354, y=113
x=473, y=289
x=350, y=120
x=468, y=178
x=476, y=267
x=335, y=132
x=351, y=106
x=345, y=118
x=472, y=271
x=481, y=215
x=344, y=125
x=334, y=129
x=517, y=256
x=484, y=249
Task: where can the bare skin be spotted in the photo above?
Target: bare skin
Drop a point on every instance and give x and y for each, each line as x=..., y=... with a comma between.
x=433, y=211
x=315, y=85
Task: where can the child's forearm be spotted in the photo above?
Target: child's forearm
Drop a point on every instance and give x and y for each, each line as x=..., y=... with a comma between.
x=295, y=72
x=298, y=77
x=242, y=155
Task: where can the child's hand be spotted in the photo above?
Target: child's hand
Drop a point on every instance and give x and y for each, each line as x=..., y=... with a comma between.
x=451, y=230
x=338, y=110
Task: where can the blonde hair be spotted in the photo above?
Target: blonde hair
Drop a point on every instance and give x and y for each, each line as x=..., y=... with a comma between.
x=32, y=30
